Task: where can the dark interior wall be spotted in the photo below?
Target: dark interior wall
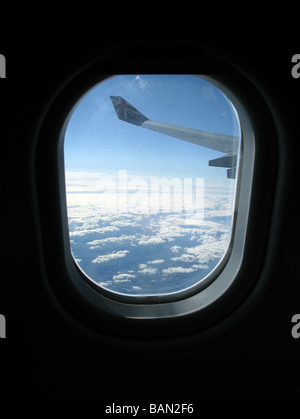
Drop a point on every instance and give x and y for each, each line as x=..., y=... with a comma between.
x=41, y=357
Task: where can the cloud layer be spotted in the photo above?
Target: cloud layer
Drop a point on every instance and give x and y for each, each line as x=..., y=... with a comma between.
x=137, y=252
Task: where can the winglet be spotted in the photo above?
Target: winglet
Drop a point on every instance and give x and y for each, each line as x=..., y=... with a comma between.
x=127, y=112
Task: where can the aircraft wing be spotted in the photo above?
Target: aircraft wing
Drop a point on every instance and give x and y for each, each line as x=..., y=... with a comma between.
x=224, y=143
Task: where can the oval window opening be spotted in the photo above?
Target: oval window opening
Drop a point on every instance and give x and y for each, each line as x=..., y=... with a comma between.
x=151, y=170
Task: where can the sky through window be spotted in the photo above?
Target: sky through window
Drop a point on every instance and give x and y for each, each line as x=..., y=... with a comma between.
x=147, y=215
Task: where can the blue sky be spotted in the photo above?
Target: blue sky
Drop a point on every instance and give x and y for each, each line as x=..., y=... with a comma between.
x=97, y=140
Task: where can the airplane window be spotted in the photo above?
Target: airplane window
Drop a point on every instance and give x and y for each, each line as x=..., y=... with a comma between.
x=151, y=175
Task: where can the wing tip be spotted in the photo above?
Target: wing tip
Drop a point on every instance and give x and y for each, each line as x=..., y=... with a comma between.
x=127, y=112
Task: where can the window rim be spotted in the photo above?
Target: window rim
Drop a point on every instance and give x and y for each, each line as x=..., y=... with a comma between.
x=211, y=276
x=199, y=296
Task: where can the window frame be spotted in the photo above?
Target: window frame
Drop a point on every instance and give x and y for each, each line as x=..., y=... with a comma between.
x=130, y=317
x=217, y=270
x=162, y=305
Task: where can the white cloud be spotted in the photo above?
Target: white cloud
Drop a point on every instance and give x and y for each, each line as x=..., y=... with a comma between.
x=105, y=283
x=155, y=262
x=107, y=258
x=82, y=231
x=152, y=240
x=148, y=271
x=197, y=266
x=175, y=249
x=184, y=258
x=98, y=243
x=123, y=277
x=126, y=223
x=177, y=269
